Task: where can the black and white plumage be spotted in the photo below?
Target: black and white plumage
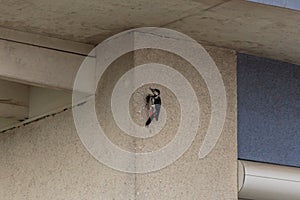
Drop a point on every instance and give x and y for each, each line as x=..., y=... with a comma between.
x=153, y=104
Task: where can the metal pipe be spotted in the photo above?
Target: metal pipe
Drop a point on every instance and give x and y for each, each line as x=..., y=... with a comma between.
x=260, y=181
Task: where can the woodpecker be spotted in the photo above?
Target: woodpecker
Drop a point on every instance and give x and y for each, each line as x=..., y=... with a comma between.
x=154, y=104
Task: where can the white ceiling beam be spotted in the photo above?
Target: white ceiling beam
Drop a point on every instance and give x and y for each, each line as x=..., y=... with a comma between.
x=39, y=66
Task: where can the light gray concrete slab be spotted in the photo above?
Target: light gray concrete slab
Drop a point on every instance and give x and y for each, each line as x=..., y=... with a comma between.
x=236, y=24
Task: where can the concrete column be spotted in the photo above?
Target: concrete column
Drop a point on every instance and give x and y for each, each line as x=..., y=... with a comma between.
x=47, y=160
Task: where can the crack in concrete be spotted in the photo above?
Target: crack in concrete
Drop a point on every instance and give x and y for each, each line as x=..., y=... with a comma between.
x=45, y=47
x=195, y=14
x=190, y=15
x=38, y=118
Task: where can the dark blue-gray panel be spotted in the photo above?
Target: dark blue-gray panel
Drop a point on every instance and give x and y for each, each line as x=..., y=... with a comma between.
x=291, y=4
x=268, y=110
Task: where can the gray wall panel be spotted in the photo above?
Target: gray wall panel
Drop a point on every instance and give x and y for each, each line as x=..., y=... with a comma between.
x=268, y=110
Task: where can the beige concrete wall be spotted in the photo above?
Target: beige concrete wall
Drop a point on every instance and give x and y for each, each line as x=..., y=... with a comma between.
x=190, y=178
x=46, y=159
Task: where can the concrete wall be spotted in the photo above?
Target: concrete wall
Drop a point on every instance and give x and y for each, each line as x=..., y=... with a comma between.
x=46, y=159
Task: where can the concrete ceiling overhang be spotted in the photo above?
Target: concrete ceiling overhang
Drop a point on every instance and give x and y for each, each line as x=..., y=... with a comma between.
x=236, y=24
x=32, y=32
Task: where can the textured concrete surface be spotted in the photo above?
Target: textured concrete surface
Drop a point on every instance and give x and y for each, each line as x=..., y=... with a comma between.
x=247, y=27
x=92, y=21
x=236, y=24
x=268, y=110
x=215, y=176
x=46, y=160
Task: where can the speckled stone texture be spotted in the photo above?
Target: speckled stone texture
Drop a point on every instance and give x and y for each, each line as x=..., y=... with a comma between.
x=46, y=160
x=214, y=177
